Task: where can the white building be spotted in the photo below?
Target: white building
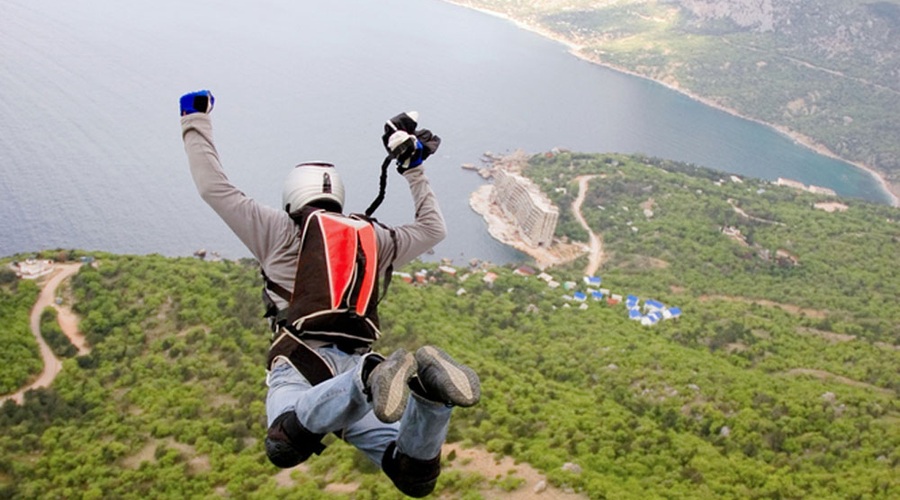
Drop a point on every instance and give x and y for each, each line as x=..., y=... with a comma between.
x=33, y=269
x=522, y=201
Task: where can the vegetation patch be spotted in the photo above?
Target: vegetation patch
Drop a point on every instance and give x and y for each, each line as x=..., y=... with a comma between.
x=19, y=358
x=169, y=403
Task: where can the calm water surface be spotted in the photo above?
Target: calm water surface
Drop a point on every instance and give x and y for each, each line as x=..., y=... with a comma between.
x=90, y=147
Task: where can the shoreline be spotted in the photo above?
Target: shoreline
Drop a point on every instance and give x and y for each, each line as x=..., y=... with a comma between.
x=891, y=190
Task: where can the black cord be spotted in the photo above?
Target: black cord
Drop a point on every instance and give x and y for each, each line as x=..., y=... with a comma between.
x=382, y=186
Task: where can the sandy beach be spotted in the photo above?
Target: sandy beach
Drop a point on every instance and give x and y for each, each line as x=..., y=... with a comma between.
x=893, y=191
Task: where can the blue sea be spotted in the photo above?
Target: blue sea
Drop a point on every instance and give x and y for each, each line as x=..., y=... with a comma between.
x=90, y=147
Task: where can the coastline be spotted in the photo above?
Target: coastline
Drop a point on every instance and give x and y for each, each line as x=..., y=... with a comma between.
x=891, y=190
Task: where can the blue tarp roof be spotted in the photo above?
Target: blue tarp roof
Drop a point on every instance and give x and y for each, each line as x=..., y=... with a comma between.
x=654, y=304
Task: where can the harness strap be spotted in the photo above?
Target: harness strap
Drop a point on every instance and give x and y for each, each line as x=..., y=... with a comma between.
x=275, y=287
x=302, y=357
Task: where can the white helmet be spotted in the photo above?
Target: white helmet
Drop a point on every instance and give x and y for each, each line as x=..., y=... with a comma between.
x=310, y=182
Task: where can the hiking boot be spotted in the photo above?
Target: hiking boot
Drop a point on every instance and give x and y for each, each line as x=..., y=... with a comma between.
x=446, y=381
x=387, y=385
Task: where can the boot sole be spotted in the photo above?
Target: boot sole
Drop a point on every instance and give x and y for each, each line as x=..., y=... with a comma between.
x=390, y=387
x=464, y=388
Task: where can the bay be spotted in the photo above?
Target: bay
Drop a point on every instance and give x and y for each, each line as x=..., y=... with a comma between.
x=90, y=146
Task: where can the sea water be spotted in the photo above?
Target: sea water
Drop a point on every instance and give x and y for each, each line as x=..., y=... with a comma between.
x=90, y=143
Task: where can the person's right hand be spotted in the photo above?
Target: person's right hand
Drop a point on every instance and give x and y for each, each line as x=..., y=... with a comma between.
x=201, y=101
x=409, y=147
x=399, y=135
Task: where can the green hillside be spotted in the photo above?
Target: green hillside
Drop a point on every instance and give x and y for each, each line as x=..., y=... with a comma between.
x=779, y=380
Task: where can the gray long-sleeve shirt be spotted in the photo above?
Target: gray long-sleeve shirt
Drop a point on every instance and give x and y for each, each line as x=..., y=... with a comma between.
x=271, y=235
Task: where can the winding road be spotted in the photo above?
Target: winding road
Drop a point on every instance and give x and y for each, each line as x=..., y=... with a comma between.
x=67, y=322
x=596, y=253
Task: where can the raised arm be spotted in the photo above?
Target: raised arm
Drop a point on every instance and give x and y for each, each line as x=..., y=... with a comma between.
x=429, y=228
x=260, y=228
x=411, y=148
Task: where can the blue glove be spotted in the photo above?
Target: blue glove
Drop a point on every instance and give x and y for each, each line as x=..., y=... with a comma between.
x=409, y=147
x=201, y=101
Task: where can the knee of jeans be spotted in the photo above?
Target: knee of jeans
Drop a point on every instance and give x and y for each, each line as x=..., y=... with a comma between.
x=288, y=443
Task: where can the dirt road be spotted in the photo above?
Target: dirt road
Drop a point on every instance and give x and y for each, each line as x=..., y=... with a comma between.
x=596, y=252
x=68, y=324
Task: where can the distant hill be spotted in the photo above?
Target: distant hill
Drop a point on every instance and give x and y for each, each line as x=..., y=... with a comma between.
x=828, y=71
x=778, y=379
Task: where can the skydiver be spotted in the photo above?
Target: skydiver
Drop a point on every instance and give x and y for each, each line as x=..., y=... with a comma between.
x=322, y=271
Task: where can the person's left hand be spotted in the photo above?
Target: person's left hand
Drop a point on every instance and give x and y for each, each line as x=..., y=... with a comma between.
x=201, y=101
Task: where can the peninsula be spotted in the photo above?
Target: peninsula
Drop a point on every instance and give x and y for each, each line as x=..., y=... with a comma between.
x=519, y=215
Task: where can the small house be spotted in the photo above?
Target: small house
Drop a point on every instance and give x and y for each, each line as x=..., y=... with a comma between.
x=651, y=319
x=406, y=277
x=525, y=271
x=33, y=269
x=632, y=301
x=653, y=305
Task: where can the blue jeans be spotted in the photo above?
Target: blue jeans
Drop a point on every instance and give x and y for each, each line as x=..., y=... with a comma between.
x=339, y=404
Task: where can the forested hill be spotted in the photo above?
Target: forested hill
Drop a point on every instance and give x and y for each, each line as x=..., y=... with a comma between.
x=779, y=379
x=829, y=70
